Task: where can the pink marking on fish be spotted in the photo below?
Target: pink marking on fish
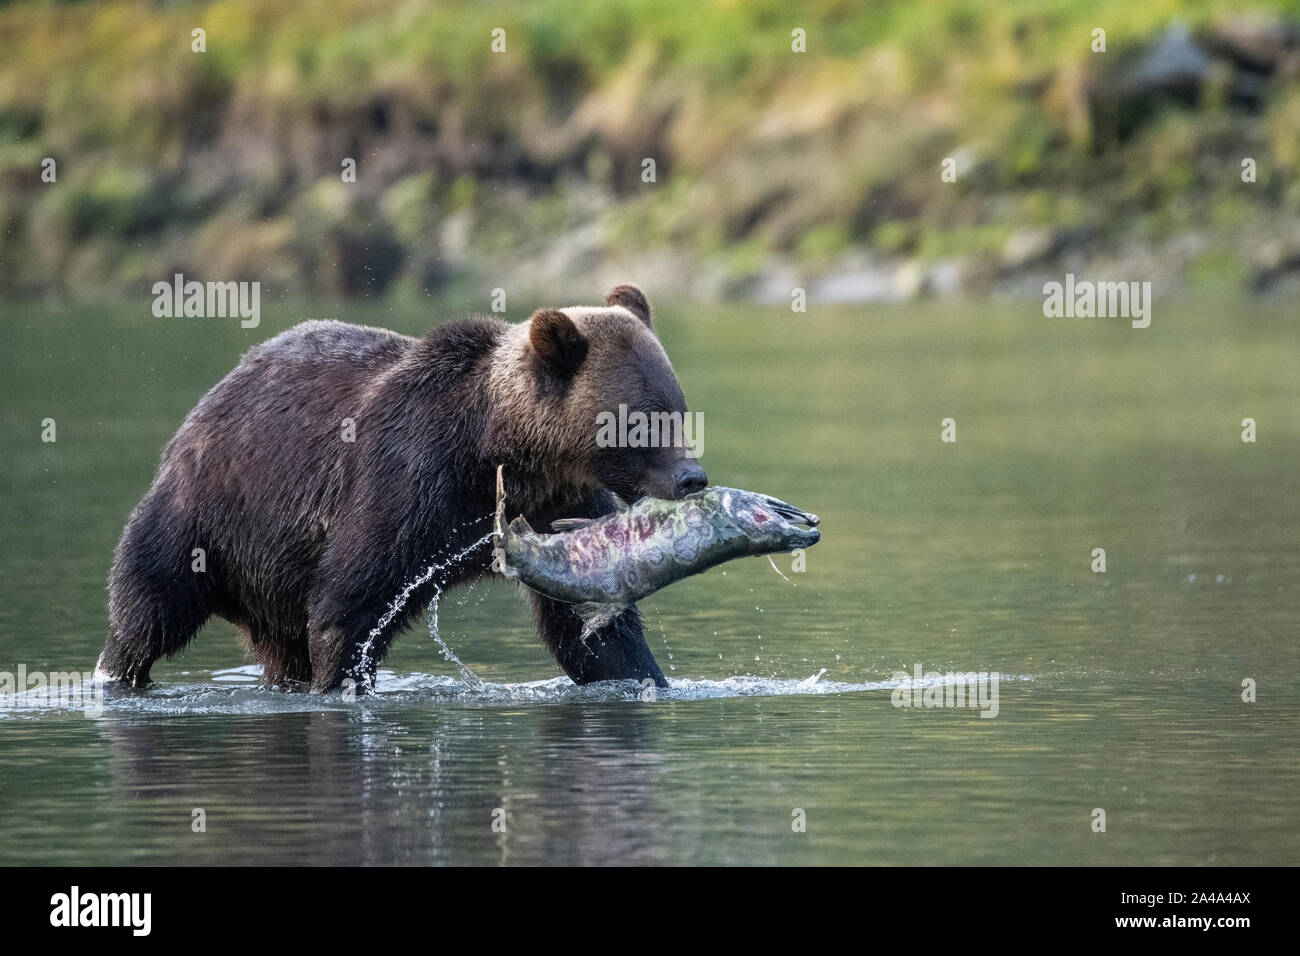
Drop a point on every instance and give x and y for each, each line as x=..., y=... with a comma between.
x=617, y=534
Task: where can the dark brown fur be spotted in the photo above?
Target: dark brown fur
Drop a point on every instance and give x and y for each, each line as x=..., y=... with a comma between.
x=308, y=537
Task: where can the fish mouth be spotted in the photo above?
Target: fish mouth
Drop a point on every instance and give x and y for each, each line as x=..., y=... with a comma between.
x=800, y=527
x=790, y=513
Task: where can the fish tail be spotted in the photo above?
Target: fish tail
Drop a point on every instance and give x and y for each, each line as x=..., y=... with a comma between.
x=499, y=528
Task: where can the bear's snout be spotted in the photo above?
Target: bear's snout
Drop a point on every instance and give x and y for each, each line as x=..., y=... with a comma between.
x=689, y=478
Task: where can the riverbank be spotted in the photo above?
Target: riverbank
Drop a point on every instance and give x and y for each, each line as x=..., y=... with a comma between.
x=913, y=150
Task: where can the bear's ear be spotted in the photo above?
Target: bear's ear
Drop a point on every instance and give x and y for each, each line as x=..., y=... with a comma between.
x=632, y=299
x=557, y=341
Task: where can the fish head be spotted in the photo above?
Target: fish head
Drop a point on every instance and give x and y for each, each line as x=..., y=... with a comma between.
x=769, y=524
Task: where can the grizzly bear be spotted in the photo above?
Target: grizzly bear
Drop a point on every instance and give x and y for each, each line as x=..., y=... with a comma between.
x=337, y=461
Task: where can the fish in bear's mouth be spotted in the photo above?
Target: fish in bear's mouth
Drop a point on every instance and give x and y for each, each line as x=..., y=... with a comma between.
x=613, y=561
x=750, y=508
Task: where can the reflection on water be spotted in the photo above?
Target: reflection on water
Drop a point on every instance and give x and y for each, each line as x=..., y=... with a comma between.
x=977, y=556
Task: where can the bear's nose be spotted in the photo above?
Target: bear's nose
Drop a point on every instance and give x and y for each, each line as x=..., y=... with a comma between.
x=690, y=479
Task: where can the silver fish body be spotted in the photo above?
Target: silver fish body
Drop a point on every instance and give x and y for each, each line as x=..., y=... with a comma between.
x=618, y=559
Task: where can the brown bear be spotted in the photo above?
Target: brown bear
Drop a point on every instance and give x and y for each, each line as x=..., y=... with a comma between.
x=337, y=461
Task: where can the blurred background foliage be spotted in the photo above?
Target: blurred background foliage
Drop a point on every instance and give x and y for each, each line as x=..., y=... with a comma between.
x=524, y=168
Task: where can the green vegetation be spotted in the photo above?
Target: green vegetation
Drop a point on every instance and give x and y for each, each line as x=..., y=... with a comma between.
x=227, y=162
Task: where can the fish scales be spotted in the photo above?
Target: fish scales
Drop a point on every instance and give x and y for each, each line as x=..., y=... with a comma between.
x=620, y=558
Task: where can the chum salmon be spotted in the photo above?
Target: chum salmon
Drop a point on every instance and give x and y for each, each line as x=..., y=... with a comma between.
x=603, y=565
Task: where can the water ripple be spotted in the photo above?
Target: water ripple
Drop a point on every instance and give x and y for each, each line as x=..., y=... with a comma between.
x=239, y=690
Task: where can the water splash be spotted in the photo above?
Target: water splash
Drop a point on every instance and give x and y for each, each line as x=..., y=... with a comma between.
x=403, y=596
x=663, y=633
x=467, y=675
x=467, y=594
x=241, y=690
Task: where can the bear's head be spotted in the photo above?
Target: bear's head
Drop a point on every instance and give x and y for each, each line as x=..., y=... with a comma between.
x=597, y=401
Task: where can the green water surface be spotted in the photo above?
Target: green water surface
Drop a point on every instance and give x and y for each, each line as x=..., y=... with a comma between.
x=1072, y=435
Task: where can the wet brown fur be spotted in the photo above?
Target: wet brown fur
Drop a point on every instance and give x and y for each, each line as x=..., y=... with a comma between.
x=308, y=538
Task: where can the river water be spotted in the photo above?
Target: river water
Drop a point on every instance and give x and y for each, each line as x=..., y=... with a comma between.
x=780, y=740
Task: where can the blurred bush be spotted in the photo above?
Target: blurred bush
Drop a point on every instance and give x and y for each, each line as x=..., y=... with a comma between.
x=525, y=167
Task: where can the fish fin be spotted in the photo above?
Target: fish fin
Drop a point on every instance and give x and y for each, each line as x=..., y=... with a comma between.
x=595, y=616
x=598, y=613
x=521, y=526
x=570, y=524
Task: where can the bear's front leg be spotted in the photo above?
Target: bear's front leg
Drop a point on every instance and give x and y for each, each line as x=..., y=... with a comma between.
x=617, y=651
x=342, y=658
x=343, y=653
